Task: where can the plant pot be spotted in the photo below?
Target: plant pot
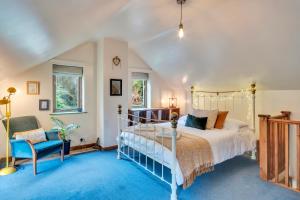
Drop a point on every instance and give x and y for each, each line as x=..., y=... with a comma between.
x=67, y=145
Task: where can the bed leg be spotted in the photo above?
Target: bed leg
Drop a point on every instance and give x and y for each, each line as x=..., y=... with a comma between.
x=253, y=155
x=119, y=132
x=173, y=168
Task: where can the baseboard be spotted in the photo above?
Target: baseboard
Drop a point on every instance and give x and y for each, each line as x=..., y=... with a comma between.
x=109, y=148
x=84, y=146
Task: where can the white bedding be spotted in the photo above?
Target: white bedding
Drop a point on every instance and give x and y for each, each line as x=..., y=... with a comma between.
x=225, y=144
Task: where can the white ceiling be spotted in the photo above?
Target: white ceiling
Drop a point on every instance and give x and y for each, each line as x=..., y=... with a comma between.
x=227, y=43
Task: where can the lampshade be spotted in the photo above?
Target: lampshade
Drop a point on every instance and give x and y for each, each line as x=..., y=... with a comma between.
x=4, y=101
x=11, y=90
x=172, y=102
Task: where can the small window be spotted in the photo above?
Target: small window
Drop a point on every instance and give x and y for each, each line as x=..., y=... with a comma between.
x=67, y=88
x=139, y=90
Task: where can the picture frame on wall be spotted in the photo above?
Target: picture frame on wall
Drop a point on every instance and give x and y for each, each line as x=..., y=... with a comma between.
x=115, y=87
x=44, y=104
x=33, y=87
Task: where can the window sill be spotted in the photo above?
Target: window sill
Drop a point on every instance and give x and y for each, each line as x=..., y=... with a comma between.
x=67, y=113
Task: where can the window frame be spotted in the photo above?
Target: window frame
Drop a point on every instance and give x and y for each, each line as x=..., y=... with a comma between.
x=79, y=109
x=145, y=93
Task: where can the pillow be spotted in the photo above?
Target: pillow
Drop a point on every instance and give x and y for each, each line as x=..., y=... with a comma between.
x=182, y=120
x=210, y=114
x=234, y=124
x=34, y=136
x=221, y=119
x=196, y=122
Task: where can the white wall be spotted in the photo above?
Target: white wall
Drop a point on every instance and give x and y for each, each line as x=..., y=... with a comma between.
x=107, y=105
x=160, y=89
x=23, y=104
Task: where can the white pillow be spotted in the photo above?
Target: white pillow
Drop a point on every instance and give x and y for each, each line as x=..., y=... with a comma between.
x=210, y=114
x=34, y=136
x=182, y=120
x=234, y=124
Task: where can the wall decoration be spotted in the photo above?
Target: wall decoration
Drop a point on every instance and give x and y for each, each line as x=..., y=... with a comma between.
x=116, y=61
x=33, y=87
x=44, y=104
x=115, y=87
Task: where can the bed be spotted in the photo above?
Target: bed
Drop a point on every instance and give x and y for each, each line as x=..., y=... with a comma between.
x=139, y=142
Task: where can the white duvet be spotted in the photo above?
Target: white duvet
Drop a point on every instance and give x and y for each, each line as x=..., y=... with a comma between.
x=225, y=144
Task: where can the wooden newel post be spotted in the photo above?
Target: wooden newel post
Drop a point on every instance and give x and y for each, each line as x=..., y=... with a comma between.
x=287, y=114
x=264, y=147
x=174, y=117
x=119, y=130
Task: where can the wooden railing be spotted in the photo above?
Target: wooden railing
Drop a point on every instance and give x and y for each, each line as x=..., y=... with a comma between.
x=274, y=149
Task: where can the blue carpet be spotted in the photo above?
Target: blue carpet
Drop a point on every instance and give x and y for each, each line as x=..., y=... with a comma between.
x=99, y=175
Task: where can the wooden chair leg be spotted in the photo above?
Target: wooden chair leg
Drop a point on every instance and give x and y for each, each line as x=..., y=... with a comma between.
x=62, y=154
x=34, y=165
x=13, y=161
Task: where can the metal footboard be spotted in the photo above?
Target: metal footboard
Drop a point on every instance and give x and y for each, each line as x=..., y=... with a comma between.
x=141, y=148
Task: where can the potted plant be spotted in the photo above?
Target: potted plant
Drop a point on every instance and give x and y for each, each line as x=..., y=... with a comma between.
x=65, y=132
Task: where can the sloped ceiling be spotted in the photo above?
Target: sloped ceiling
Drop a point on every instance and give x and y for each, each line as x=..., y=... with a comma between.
x=227, y=43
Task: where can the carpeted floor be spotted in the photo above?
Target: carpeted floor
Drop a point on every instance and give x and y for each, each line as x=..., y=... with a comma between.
x=98, y=175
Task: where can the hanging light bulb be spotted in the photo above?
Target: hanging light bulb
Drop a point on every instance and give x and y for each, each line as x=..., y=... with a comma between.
x=180, y=31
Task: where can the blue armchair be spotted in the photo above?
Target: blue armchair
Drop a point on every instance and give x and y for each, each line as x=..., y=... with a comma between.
x=25, y=149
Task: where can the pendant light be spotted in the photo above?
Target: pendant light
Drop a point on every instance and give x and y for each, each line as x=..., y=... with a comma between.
x=180, y=31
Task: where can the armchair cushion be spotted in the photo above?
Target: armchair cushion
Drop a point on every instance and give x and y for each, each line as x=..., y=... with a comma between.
x=34, y=136
x=49, y=145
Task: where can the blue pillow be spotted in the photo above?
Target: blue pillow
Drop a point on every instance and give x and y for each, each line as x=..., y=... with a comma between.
x=196, y=122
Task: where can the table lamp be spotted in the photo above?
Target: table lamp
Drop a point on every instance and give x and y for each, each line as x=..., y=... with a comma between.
x=5, y=101
x=172, y=102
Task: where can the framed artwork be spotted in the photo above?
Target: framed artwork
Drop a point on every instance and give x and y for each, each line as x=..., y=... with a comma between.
x=44, y=104
x=33, y=87
x=115, y=87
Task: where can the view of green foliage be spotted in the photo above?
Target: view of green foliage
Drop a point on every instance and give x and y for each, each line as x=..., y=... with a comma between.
x=67, y=92
x=138, y=93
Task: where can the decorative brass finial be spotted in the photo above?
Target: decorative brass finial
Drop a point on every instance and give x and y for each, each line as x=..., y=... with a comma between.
x=253, y=88
x=174, y=117
x=120, y=109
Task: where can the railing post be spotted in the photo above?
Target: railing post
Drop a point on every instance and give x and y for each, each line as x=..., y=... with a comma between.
x=119, y=131
x=173, y=167
x=264, y=146
x=286, y=154
x=298, y=157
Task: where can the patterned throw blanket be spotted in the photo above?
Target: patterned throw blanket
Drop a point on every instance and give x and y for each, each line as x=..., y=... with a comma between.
x=193, y=153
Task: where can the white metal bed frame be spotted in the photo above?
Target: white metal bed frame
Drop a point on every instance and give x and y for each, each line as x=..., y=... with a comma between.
x=196, y=96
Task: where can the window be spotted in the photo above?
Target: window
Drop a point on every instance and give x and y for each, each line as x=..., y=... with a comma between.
x=139, y=90
x=67, y=88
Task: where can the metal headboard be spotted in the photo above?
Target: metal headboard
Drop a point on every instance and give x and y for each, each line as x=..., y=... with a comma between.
x=237, y=102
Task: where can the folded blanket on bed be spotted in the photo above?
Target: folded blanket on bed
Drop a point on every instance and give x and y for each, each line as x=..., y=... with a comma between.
x=194, y=154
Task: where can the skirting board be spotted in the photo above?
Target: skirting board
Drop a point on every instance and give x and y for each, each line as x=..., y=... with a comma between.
x=109, y=148
x=84, y=146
